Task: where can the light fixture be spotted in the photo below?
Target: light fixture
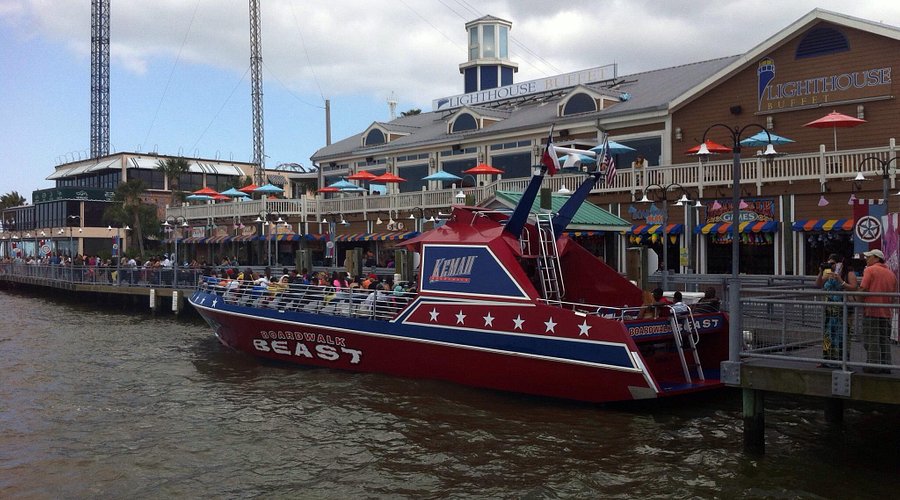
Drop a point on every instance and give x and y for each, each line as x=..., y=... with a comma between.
x=128, y=228
x=697, y=204
x=324, y=220
x=716, y=205
x=681, y=201
x=378, y=221
x=344, y=222
x=431, y=219
x=280, y=220
x=678, y=135
x=259, y=219
x=861, y=112
x=770, y=151
x=859, y=177
x=460, y=195
x=822, y=201
x=166, y=224
x=770, y=122
x=703, y=151
x=411, y=216
x=184, y=224
x=60, y=231
x=644, y=199
x=43, y=233
x=563, y=190
x=109, y=228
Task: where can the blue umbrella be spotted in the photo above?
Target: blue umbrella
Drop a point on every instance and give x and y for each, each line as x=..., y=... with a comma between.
x=268, y=189
x=343, y=185
x=234, y=193
x=440, y=175
x=614, y=148
x=761, y=139
x=197, y=197
x=570, y=160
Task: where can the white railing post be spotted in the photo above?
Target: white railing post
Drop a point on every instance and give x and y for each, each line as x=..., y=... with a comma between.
x=823, y=166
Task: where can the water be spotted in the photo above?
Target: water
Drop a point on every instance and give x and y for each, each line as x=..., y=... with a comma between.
x=117, y=404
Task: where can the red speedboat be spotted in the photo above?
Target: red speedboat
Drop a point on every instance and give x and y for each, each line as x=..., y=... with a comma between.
x=503, y=301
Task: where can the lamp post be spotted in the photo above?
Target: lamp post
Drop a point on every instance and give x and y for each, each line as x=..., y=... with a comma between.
x=884, y=175
x=417, y=220
x=117, y=246
x=734, y=306
x=170, y=225
x=263, y=219
x=665, y=225
x=71, y=221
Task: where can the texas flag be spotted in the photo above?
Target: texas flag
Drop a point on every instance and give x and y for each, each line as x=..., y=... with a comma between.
x=868, y=229
x=550, y=159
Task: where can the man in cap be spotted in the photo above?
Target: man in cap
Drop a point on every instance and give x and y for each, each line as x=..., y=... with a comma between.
x=877, y=279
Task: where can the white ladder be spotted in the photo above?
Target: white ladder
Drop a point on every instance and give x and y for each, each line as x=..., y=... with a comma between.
x=684, y=328
x=548, y=260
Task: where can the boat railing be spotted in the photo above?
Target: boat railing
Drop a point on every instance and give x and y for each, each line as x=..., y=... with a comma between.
x=286, y=297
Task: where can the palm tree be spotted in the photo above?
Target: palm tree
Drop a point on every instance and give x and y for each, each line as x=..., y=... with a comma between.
x=411, y=112
x=129, y=193
x=11, y=199
x=173, y=168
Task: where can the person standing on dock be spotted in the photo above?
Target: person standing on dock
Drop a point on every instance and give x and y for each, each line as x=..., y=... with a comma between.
x=877, y=279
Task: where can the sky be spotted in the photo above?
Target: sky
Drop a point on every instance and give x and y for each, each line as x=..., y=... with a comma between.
x=180, y=79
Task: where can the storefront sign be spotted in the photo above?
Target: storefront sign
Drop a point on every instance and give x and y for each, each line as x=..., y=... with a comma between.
x=72, y=193
x=818, y=89
x=567, y=80
x=757, y=210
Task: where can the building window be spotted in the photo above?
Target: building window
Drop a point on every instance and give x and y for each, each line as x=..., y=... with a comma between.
x=820, y=41
x=374, y=136
x=504, y=36
x=473, y=43
x=489, y=42
x=464, y=122
x=579, y=103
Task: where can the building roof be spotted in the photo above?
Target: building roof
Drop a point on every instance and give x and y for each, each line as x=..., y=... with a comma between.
x=588, y=216
x=650, y=91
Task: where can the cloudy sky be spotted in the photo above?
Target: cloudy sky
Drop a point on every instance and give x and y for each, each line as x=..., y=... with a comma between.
x=180, y=68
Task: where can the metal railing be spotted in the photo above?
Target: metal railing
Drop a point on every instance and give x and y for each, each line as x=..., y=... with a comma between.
x=101, y=275
x=822, y=166
x=831, y=329
x=349, y=302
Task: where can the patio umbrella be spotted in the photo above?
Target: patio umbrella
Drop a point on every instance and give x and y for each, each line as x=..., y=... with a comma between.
x=834, y=120
x=761, y=139
x=198, y=197
x=388, y=177
x=572, y=160
x=220, y=197
x=206, y=191
x=713, y=147
x=328, y=189
x=250, y=188
x=362, y=175
x=614, y=148
x=343, y=185
x=268, y=189
x=483, y=168
x=234, y=193
x=440, y=175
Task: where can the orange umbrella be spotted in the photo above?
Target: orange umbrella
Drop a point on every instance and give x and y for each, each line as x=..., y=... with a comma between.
x=328, y=189
x=220, y=197
x=249, y=188
x=834, y=120
x=713, y=147
x=362, y=175
x=387, y=177
x=208, y=191
x=483, y=168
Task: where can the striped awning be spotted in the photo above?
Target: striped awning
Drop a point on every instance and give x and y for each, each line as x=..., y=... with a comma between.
x=823, y=225
x=244, y=237
x=583, y=233
x=746, y=227
x=317, y=236
x=172, y=240
x=391, y=236
x=655, y=229
x=193, y=239
x=217, y=239
x=281, y=237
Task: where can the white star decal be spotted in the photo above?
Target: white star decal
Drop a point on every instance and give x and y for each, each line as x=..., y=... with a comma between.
x=584, y=327
x=215, y=301
x=434, y=314
x=551, y=326
x=518, y=321
x=460, y=318
x=488, y=320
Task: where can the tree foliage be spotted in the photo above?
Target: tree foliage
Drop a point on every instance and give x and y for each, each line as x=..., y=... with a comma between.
x=132, y=211
x=173, y=169
x=411, y=112
x=11, y=199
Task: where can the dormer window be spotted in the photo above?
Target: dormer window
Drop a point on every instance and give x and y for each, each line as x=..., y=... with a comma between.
x=463, y=123
x=579, y=103
x=820, y=41
x=374, y=137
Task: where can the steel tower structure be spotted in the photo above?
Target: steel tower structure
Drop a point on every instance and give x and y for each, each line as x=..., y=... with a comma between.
x=259, y=157
x=99, y=78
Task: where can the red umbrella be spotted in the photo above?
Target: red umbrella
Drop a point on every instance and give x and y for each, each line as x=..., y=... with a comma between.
x=328, y=189
x=834, y=120
x=249, y=188
x=713, y=147
x=220, y=197
x=208, y=191
x=483, y=168
x=362, y=175
x=387, y=177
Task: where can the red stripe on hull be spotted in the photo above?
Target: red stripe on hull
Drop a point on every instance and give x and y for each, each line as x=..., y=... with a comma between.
x=321, y=346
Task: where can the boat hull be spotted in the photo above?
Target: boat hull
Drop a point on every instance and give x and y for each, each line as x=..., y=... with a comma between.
x=604, y=368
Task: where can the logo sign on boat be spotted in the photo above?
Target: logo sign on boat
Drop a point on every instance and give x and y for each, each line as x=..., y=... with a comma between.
x=469, y=270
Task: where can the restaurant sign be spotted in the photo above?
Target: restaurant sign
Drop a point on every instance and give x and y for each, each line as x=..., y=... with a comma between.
x=72, y=193
x=756, y=210
x=813, y=90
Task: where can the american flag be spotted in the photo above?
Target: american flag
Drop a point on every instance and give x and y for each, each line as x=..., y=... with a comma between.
x=610, y=169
